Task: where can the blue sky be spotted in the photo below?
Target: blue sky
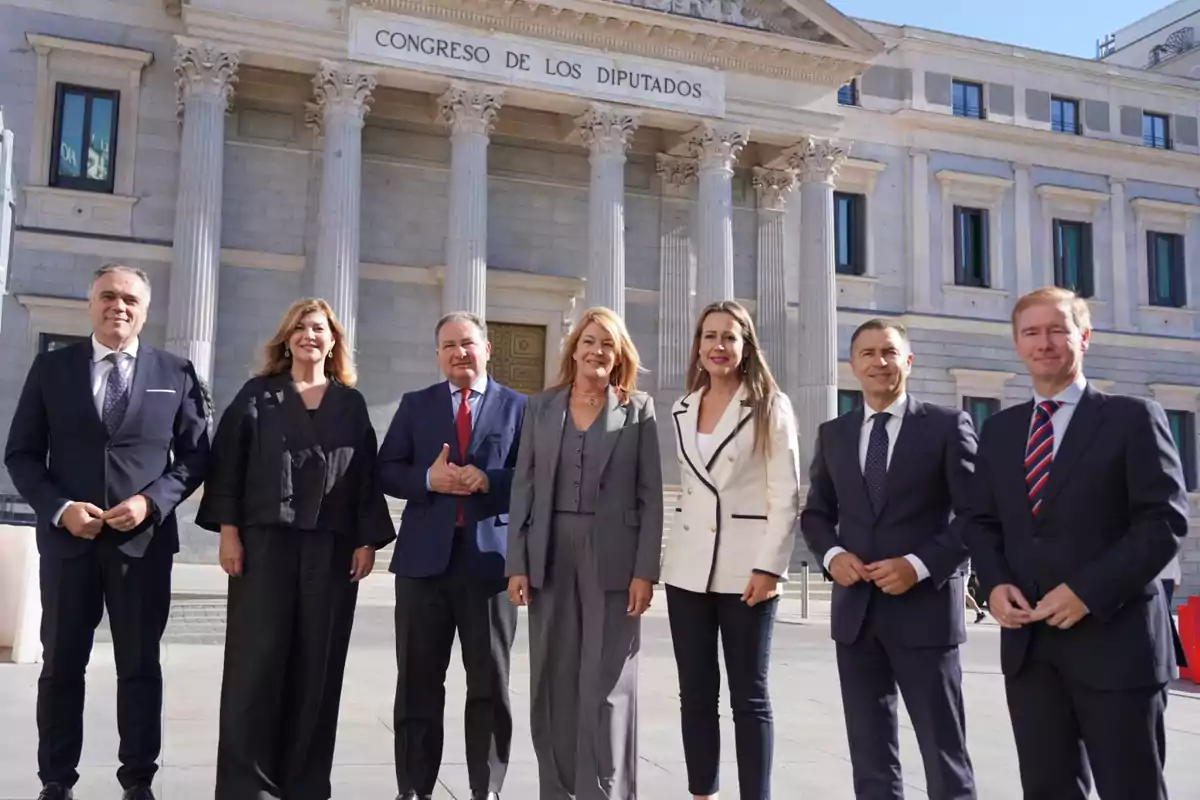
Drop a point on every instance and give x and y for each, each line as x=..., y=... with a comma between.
x=1060, y=26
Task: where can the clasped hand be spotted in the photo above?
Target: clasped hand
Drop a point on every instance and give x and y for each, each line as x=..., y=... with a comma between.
x=1060, y=608
x=84, y=520
x=891, y=576
x=447, y=478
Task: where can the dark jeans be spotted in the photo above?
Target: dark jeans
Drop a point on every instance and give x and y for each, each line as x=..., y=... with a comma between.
x=745, y=633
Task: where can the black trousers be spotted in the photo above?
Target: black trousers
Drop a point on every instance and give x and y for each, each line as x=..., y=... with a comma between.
x=428, y=613
x=930, y=678
x=1061, y=727
x=75, y=592
x=290, y=615
x=696, y=619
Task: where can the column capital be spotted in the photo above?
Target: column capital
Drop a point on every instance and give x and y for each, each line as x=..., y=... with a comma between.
x=341, y=89
x=817, y=160
x=676, y=171
x=606, y=130
x=204, y=70
x=1116, y=183
x=470, y=108
x=717, y=145
x=773, y=187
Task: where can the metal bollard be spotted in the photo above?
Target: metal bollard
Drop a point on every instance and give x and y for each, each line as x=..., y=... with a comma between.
x=803, y=590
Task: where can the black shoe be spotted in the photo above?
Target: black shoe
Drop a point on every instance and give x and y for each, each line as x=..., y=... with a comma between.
x=979, y=616
x=485, y=796
x=56, y=791
x=414, y=796
x=139, y=792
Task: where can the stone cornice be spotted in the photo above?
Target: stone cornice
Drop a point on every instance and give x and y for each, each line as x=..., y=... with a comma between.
x=625, y=29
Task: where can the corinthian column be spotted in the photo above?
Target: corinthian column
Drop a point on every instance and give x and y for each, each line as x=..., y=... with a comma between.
x=773, y=187
x=716, y=146
x=342, y=94
x=204, y=77
x=606, y=131
x=817, y=162
x=677, y=265
x=470, y=110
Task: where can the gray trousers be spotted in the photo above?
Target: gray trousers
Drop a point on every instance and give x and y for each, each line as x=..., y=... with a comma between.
x=583, y=659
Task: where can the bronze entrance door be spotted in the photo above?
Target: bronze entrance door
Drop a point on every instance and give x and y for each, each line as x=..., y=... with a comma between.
x=518, y=355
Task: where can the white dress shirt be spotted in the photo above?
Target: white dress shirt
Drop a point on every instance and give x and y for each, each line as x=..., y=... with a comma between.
x=101, y=366
x=474, y=398
x=897, y=409
x=1069, y=397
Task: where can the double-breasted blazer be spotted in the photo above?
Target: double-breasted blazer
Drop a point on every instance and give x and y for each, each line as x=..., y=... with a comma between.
x=737, y=510
x=629, y=510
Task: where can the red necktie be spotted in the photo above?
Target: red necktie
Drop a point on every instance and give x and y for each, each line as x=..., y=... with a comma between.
x=462, y=424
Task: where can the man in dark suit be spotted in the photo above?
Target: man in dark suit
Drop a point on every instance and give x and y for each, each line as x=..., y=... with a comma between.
x=450, y=452
x=109, y=436
x=883, y=484
x=1078, y=503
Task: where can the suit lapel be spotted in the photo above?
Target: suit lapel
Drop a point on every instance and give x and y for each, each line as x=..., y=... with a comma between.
x=145, y=363
x=443, y=418
x=1080, y=433
x=489, y=407
x=849, y=436
x=686, y=418
x=555, y=417
x=80, y=379
x=911, y=431
x=615, y=418
x=1012, y=455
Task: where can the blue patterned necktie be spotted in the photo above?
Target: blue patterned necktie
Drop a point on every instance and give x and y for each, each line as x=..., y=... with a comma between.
x=116, y=395
x=875, y=469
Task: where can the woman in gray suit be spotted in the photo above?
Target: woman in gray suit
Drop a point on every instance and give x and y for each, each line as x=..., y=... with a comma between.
x=583, y=552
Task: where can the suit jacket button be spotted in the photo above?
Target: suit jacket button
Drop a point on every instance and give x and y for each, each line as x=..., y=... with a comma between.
x=690, y=490
x=686, y=528
x=731, y=458
x=713, y=529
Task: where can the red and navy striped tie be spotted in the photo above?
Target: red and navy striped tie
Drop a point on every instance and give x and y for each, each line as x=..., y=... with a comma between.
x=1040, y=452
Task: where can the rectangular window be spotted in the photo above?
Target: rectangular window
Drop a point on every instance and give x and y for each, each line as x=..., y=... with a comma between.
x=1165, y=260
x=49, y=342
x=1064, y=115
x=968, y=100
x=1156, y=131
x=1183, y=430
x=85, y=138
x=849, y=245
x=979, y=409
x=848, y=400
x=1073, y=256
x=971, y=246
x=848, y=94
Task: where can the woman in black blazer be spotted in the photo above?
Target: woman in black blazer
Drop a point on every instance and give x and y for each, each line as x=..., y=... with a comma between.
x=292, y=489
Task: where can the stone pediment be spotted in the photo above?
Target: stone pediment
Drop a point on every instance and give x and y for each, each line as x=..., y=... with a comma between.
x=797, y=19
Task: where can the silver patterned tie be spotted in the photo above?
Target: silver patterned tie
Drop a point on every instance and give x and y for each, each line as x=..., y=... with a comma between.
x=116, y=395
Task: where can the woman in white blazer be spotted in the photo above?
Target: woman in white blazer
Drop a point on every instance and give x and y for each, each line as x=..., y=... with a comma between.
x=730, y=544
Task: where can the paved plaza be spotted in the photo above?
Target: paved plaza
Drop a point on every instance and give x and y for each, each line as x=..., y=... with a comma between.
x=811, y=756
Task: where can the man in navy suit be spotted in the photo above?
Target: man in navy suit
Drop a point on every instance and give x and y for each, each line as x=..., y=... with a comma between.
x=884, y=482
x=450, y=452
x=109, y=436
x=1078, y=503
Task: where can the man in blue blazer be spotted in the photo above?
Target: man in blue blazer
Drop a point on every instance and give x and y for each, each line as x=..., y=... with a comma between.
x=450, y=452
x=109, y=436
x=1078, y=503
x=888, y=495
